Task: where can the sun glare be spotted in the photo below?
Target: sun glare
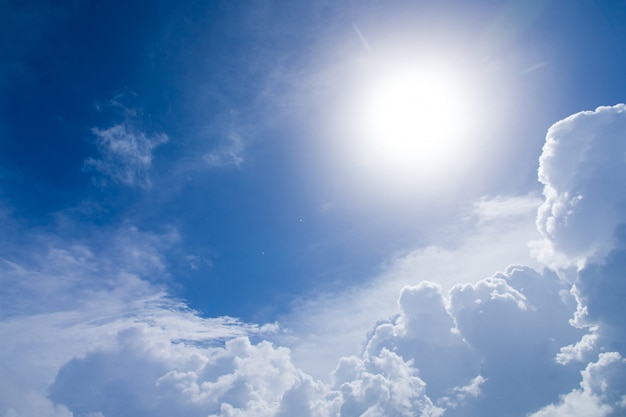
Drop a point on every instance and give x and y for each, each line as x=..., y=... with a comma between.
x=410, y=119
x=407, y=114
x=406, y=123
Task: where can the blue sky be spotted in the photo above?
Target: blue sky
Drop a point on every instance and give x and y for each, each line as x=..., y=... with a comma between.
x=305, y=208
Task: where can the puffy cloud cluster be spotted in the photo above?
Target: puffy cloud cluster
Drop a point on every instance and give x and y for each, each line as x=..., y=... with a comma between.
x=141, y=377
x=476, y=346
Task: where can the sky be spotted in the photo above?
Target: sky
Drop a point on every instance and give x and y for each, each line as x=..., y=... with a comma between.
x=317, y=209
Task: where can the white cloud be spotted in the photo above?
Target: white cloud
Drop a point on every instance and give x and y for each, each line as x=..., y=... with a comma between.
x=582, y=169
x=61, y=300
x=476, y=344
x=600, y=289
x=382, y=385
x=460, y=394
x=501, y=206
x=578, y=351
x=601, y=391
x=582, y=223
x=168, y=378
x=142, y=376
x=125, y=154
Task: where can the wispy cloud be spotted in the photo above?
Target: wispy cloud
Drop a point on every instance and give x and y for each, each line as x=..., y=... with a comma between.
x=126, y=150
x=229, y=154
x=358, y=32
x=125, y=154
x=535, y=67
x=502, y=206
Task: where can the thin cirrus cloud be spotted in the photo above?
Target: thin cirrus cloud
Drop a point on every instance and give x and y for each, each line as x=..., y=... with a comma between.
x=502, y=345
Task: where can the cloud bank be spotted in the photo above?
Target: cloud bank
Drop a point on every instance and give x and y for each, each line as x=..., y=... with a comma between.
x=91, y=332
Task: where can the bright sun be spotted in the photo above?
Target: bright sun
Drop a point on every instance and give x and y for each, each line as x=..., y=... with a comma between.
x=402, y=126
x=410, y=119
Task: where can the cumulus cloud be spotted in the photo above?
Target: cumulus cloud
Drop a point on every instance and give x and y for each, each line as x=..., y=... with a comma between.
x=125, y=154
x=583, y=224
x=165, y=379
x=474, y=346
x=601, y=391
x=140, y=377
x=424, y=333
x=582, y=169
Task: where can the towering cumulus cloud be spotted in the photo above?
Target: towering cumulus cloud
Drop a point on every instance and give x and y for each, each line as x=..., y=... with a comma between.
x=518, y=343
x=582, y=169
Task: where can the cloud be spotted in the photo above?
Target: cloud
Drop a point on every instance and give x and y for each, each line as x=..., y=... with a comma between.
x=430, y=357
x=474, y=346
x=600, y=288
x=431, y=349
x=140, y=377
x=111, y=342
x=582, y=169
x=535, y=67
x=502, y=206
x=63, y=298
x=516, y=321
x=597, y=396
x=125, y=154
x=583, y=224
x=230, y=154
